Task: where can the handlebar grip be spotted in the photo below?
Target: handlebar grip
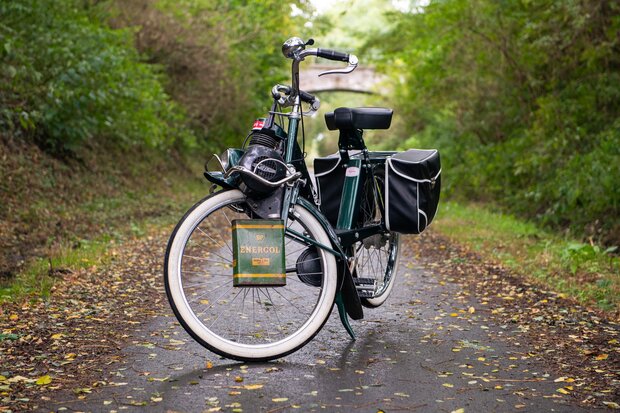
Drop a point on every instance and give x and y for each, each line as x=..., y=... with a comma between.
x=306, y=97
x=332, y=55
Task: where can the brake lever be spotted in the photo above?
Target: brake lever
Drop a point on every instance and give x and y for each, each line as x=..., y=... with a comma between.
x=351, y=67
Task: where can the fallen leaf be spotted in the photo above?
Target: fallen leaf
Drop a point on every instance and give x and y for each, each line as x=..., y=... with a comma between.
x=279, y=399
x=43, y=380
x=253, y=386
x=602, y=356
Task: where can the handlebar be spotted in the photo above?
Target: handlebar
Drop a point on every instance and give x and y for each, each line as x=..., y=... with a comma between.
x=295, y=49
x=303, y=95
x=278, y=90
x=307, y=97
x=332, y=55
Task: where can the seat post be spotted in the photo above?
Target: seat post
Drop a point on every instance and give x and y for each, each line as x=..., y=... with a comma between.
x=351, y=139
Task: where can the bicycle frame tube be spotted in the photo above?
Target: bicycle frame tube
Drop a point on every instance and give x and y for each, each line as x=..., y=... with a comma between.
x=349, y=201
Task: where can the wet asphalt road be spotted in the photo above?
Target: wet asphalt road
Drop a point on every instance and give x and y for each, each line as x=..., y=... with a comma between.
x=430, y=348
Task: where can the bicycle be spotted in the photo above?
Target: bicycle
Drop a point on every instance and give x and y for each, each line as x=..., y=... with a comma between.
x=253, y=270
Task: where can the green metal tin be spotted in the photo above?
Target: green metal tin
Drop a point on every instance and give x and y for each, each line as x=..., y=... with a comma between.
x=258, y=253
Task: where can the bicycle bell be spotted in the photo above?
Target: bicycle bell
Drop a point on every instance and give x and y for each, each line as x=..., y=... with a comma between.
x=292, y=46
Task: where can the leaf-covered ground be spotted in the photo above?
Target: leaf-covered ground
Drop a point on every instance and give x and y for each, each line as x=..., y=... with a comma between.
x=582, y=344
x=66, y=342
x=458, y=334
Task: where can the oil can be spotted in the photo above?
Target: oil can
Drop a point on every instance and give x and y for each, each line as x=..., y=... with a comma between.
x=258, y=253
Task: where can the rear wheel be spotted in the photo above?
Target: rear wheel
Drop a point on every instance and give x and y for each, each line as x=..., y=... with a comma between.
x=376, y=256
x=247, y=323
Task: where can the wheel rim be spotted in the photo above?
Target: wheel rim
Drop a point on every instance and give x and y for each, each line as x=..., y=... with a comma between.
x=245, y=322
x=376, y=257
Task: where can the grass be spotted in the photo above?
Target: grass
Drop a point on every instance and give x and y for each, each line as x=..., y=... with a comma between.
x=61, y=217
x=587, y=272
x=39, y=275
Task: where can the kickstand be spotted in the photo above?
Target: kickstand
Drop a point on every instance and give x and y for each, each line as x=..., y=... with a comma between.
x=343, y=315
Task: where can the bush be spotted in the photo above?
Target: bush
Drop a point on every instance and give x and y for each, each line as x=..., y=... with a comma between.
x=67, y=78
x=523, y=100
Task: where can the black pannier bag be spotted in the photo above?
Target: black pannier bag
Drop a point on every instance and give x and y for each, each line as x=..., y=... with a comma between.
x=330, y=175
x=413, y=184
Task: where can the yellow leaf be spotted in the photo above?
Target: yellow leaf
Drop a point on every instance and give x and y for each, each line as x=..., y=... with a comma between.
x=563, y=390
x=461, y=410
x=205, y=302
x=209, y=365
x=13, y=317
x=57, y=336
x=279, y=399
x=471, y=310
x=43, y=380
x=253, y=386
x=602, y=356
x=612, y=405
x=448, y=385
x=453, y=314
x=481, y=359
x=238, y=379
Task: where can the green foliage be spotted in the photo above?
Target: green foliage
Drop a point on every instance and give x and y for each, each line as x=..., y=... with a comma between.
x=586, y=271
x=222, y=57
x=522, y=99
x=66, y=79
x=576, y=254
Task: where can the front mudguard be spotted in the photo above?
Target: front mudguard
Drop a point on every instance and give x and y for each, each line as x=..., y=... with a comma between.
x=351, y=299
x=218, y=178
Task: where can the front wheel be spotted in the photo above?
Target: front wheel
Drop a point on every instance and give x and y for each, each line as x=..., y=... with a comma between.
x=247, y=323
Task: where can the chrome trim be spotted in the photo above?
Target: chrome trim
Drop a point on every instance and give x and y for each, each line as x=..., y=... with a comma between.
x=245, y=171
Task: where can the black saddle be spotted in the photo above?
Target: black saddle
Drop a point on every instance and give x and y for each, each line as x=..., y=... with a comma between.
x=359, y=118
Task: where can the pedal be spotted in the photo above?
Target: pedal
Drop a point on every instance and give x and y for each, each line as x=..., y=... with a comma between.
x=365, y=287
